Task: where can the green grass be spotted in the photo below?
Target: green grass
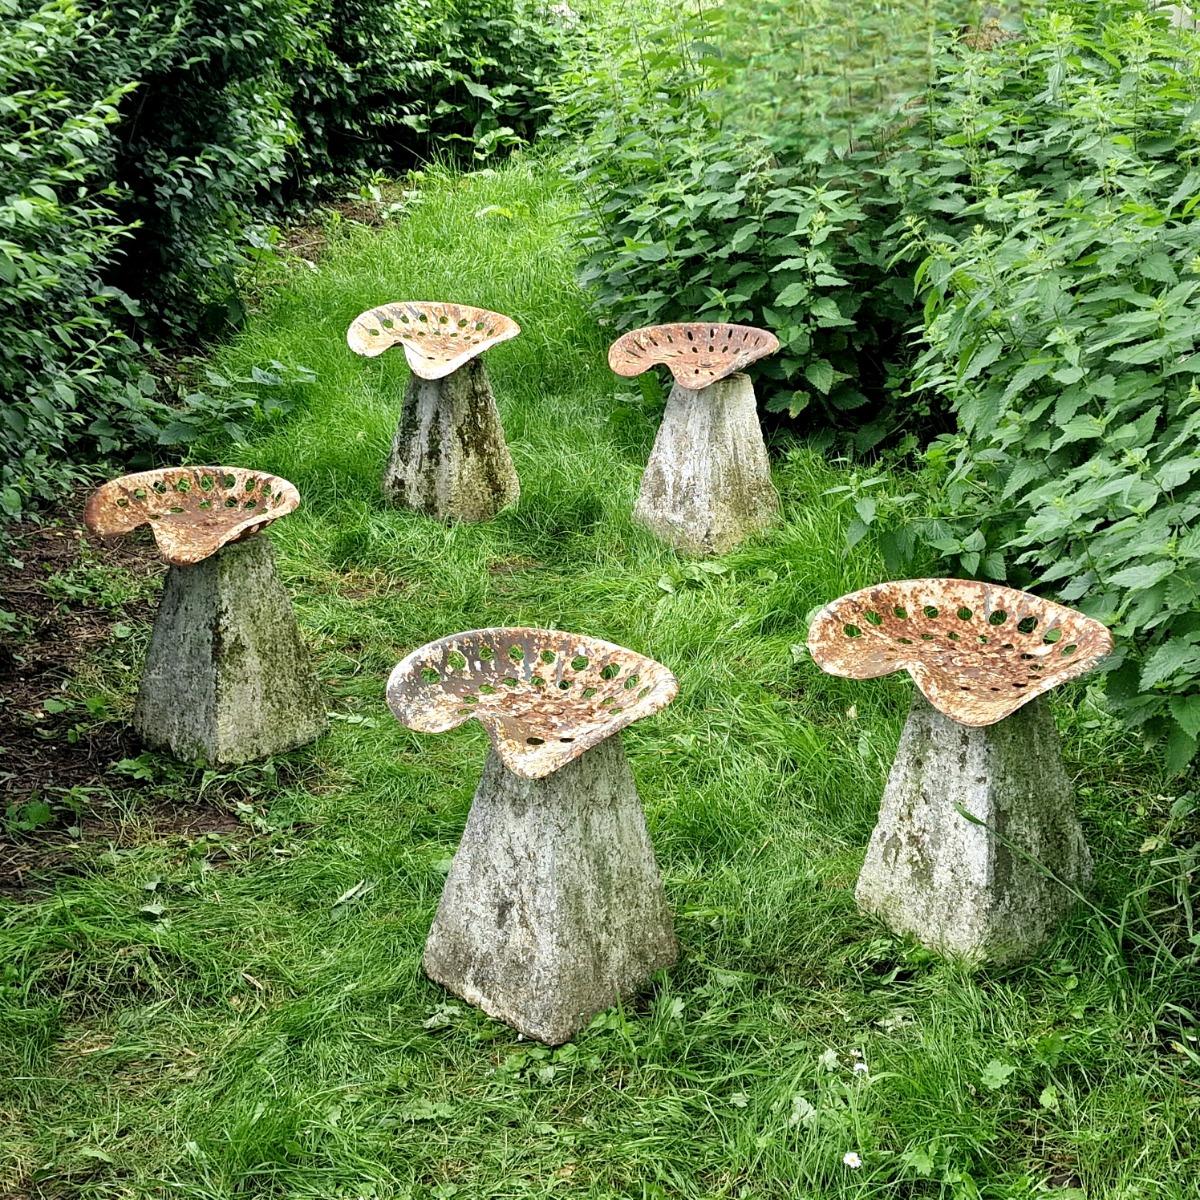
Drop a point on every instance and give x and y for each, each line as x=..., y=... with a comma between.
x=257, y=1039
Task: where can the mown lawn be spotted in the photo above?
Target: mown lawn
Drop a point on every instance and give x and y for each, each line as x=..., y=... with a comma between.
x=201, y=1017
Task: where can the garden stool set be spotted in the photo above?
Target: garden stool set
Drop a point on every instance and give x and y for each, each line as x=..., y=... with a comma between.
x=553, y=908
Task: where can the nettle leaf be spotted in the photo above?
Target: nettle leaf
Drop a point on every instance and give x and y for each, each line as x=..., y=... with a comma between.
x=1024, y=473
x=1176, y=472
x=1157, y=266
x=820, y=374
x=1181, y=749
x=793, y=294
x=983, y=357
x=1178, y=656
x=1143, y=575
x=1186, y=711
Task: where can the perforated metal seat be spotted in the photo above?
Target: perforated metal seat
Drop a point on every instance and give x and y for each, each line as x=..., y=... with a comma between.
x=192, y=511
x=543, y=696
x=698, y=353
x=977, y=651
x=437, y=338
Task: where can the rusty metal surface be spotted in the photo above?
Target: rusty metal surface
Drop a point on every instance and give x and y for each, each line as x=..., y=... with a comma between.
x=543, y=696
x=977, y=651
x=437, y=338
x=697, y=352
x=192, y=511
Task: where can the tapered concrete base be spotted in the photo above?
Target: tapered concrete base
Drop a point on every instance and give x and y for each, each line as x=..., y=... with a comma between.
x=449, y=458
x=553, y=908
x=708, y=484
x=227, y=678
x=954, y=884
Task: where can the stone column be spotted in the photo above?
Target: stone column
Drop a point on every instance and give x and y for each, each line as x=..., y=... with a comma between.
x=708, y=484
x=449, y=458
x=553, y=909
x=969, y=887
x=227, y=678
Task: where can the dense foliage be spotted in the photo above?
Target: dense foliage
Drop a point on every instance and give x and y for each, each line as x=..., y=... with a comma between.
x=70, y=379
x=1053, y=227
x=384, y=82
x=730, y=159
x=141, y=147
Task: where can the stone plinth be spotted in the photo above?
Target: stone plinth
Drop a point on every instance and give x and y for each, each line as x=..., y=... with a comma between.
x=227, y=678
x=972, y=887
x=449, y=459
x=553, y=909
x=708, y=484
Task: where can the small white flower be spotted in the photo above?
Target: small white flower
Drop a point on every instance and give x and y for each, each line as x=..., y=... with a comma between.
x=852, y=1160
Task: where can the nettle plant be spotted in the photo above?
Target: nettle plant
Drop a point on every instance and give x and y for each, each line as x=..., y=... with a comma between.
x=1055, y=190
x=731, y=162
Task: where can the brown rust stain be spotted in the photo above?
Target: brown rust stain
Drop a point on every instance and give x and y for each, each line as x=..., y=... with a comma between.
x=977, y=651
x=543, y=696
x=192, y=511
x=437, y=338
x=697, y=352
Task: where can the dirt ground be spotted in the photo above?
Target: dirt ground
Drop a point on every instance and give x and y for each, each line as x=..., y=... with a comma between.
x=47, y=755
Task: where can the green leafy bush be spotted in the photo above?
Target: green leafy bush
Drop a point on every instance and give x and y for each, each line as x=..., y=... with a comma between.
x=202, y=139
x=386, y=83
x=731, y=163
x=1054, y=221
x=141, y=146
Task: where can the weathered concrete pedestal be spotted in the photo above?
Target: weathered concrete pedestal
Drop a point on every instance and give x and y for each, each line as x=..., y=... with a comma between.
x=708, y=484
x=553, y=909
x=956, y=885
x=227, y=678
x=449, y=458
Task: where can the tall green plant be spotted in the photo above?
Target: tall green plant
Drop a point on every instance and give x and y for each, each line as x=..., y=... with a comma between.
x=731, y=160
x=71, y=383
x=1053, y=199
x=140, y=148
